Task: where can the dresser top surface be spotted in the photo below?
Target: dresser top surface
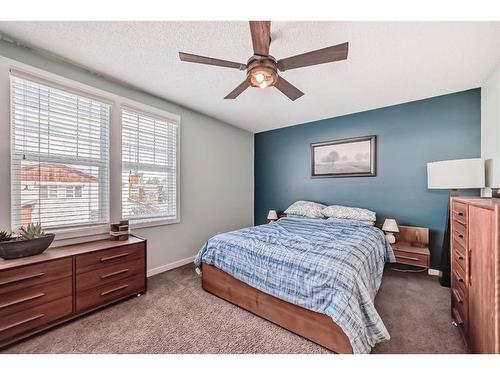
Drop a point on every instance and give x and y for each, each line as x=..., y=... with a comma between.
x=67, y=251
x=489, y=203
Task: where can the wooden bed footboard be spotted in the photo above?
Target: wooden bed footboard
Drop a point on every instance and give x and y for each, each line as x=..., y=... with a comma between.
x=314, y=326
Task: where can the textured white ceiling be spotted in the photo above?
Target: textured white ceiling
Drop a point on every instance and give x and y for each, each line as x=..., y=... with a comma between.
x=388, y=63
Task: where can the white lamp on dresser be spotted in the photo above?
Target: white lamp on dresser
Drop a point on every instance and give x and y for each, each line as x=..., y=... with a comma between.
x=453, y=175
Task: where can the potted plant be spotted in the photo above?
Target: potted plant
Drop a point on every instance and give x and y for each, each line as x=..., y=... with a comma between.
x=30, y=240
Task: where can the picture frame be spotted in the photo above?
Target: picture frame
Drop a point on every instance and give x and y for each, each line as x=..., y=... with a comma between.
x=348, y=157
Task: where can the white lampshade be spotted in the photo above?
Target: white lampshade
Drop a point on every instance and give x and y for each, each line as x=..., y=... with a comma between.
x=390, y=225
x=456, y=174
x=272, y=215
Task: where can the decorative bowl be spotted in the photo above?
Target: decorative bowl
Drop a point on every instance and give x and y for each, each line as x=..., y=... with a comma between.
x=25, y=248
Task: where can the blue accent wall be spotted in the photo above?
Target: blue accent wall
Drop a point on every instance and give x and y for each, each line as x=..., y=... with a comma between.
x=408, y=136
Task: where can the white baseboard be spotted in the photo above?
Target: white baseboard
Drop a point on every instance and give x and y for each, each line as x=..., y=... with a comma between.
x=435, y=272
x=170, y=266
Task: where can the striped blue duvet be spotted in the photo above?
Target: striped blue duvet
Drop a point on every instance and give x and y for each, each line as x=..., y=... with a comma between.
x=331, y=267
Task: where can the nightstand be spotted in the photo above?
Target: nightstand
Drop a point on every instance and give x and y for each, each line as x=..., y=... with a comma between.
x=406, y=249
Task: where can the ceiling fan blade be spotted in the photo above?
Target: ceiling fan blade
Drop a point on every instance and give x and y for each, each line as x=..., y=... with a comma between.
x=238, y=90
x=288, y=89
x=188, y=57
x=320, y=56
x=261, y=37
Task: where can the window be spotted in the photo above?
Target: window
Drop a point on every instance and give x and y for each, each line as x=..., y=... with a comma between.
x=52, y=191
x=44, y=192
x=59, y=139
x=149, y=170
x=70, y=191
x=78, y=191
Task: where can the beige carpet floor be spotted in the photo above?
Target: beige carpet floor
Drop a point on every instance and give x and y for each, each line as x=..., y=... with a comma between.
x=177, y=316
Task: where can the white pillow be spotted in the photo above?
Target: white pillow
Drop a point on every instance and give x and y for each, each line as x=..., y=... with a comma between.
x=306, y=208
x=351, y=213
x=366, y=222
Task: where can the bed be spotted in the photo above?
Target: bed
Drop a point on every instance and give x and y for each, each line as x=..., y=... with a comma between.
x=317, y=278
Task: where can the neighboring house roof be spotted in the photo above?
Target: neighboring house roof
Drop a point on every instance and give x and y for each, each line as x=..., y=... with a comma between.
x=45, y=172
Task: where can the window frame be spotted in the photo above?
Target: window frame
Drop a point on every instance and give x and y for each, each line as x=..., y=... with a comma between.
x=115, y=101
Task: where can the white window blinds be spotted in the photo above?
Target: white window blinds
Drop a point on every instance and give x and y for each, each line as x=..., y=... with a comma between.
x=59, y=156
x=149, y=170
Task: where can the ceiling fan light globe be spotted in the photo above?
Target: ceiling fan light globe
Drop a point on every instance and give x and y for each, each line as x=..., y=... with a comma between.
x=262, y=76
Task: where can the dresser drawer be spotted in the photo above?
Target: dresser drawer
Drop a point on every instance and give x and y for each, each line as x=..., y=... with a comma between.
x=457, y=317
x=110, y=274
x=459, y=237
x=459, y=211
x=460, y=229
x=458, y=280
x=419, y=260
x=459, y=301
x=33, y=318
x=35, y=295
x=36, y=274
x=460, y=310
x=100, y=259
x=102, y=295
x=458, y=256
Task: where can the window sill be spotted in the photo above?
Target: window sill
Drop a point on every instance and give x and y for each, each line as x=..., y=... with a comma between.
x=152, y=223
x=71, y=233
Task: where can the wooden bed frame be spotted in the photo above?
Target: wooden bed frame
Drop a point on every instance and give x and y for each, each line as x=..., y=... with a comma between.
x=314, y=326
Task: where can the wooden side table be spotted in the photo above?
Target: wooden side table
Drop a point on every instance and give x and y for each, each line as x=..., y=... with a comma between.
x=412, y=246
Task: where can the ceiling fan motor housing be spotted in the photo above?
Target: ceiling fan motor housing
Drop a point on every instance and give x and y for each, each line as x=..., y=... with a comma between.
x=262, y=71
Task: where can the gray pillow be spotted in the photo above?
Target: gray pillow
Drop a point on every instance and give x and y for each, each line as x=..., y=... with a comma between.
x=351, y=213
x=306, y=208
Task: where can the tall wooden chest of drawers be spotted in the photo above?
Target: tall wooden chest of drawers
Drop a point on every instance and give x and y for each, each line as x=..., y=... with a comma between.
x=475, y=271
x=39, y=292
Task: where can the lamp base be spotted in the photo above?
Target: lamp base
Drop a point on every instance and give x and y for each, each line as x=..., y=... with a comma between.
x=390, y=238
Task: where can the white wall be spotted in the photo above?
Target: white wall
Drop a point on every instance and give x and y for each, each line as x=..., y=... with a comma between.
x=490, y=130
x=216, y=166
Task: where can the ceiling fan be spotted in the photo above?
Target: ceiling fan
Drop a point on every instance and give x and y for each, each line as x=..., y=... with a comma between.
x=262, y=68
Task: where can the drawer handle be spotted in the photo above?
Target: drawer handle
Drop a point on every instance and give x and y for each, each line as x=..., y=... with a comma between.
x=13, y=325
x=114, y=257
x=21, y=300
x=114, y=290
x=460, y=257
x=470, y=267
x=407, y=258
x=114, y=273
x=460, y=236
x=457, y=296
x=458, y=277
x=22, y=278
x=460, y=214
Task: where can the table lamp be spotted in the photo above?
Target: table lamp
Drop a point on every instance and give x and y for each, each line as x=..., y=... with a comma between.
x=453, y=175
x=272, y=216
x=390, y=226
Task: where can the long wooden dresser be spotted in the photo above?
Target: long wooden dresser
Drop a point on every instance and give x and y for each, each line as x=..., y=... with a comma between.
x=475, y=271
x=41, y=291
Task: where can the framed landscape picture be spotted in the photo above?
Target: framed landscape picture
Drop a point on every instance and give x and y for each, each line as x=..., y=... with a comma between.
x=351, y=157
